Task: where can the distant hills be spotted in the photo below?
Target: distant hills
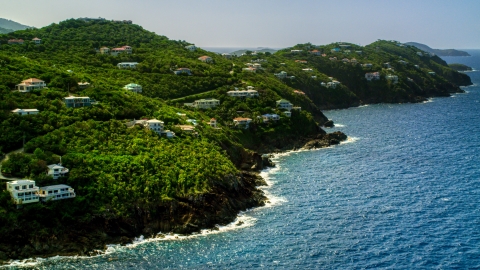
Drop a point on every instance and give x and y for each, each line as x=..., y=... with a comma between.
x=7, y=26
x=439, y=52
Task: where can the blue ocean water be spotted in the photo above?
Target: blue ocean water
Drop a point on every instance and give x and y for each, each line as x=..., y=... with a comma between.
x=402, y=193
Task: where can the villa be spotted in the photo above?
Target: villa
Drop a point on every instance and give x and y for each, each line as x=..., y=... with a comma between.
x=243, y=93
x=104, y=50
x=298, y=92
x=270, y=117
x=154, y=125
x=307, y=69
x=227, y=55
x=30, y=84
x=37, y=40
x=205, y=103
x=284, y=104
x=250, y=69
x=315, y=52
x=205, y=59
x=242, y=122
x=23, y=191
x=368, y=65
x=281, y=75
x=123, y=49
x=301, y=61
x=180, y=71
x=372, y=76
x=127, y=65
x=57, y=171
x=393, y=78
x=56, y=192
x=15, y=41
x=25, y=111
x=191, y=48
x=83, y=85
x=75, y=102
x=213, y=123
x=133, y=87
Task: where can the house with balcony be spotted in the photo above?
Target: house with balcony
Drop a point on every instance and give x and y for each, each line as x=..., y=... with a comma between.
x=56, y=192
x=206, y=59
x=30, y=84
x=133, y=87
x=205, y=103
x=76, y=102
x=56, y=171
x=372, y=76
x=127, y=65
x=181, y=71
x=124, y=49
x=284, y=104
x=23, y=191
x=25, y=111
x=37, y=40
x=270, y=117
x=213, y=123
x=83, y=85
x=243, y=93
x=154, y=125
x=242, y=122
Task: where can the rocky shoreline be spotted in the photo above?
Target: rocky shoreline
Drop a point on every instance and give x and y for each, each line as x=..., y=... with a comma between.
x=181, y=216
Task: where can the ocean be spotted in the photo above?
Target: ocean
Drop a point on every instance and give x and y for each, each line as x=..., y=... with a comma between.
x=402, y=193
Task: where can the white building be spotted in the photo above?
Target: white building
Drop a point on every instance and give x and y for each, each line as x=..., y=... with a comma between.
x=270, y=117
x=191, y=48
x=281, y=75
x=182, y=71
x=284, y=104
x=83, y=85
x=206, y=59
x=213, y=123
x=56, y=192
x=57, y=171
x=227, y=55
x=307, y=69
x=30, y=84
x=155, y=125
x=169, y=134
x=25, y=111
x=75, y=102
x=133, y=87
x=243, y=93
x=333, y=84
x=23, y=191
x=127, y=65
x=104, y=50
x=205, y=103
x=372, y=76
x=123, y=49
x=242, y=122
x=287, y=113
x=37, y=40
x=393, y=78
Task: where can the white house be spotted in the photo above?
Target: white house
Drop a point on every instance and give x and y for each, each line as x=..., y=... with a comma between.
x=133, y=87
x=431, y=73
x=333, y=84
x=56, y=192
x=83, y=85
x=287, y=113
x=213, y=122
x=75, y=102
x=37, y=40
x=25, y=111
x=57, y=171
x=169, y=134
x=204, y=103
x=30, y=84
x=242, y=122
x=243, y=93
x=182, y=71
x=295, y=51
x=191, y=48
x=227, y=55
x=393, y=78
x=284, y=104
x=127, y=65
x=281, y=75
x=270, y=117
x=23, y=191
x=205, y=59
x=307, y=69
x=123, y=49
x=104, y=50
x=372, y=76
x=368, y=65
x=155, y=125
x=250, y=69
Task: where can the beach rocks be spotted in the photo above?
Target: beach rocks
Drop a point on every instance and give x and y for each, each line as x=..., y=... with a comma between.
x=329, y=124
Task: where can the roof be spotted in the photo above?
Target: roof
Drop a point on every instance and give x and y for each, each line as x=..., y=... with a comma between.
x=154, y=121
x=205, y=57
x=36, y=38
x=54, y=187
x=133, y=85
x=282, y=101
x=25, y=110
x=72, y=97
x=32, y=80
x=21, y=182
x=55, y=166
x=242, y=119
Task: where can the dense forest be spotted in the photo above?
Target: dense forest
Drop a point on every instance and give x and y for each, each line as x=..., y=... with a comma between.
x=130, y=180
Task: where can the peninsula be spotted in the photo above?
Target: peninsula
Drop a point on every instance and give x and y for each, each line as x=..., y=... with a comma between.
x=159, y=135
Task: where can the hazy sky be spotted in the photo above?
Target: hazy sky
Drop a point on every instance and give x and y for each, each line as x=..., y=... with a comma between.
x=274, y=23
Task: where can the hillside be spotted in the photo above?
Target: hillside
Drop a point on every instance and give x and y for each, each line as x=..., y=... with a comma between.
x=7, y=26
x=439, y=52
x=129, y=180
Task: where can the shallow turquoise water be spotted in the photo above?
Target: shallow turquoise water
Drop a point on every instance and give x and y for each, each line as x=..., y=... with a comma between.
x=402, y=193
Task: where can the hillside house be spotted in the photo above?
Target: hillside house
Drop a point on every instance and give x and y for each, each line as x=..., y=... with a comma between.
x=333, y=84
x=281, y=75
x=417, y=66
x=249, y=69
x=56, y=171
x=25, y=111
x=368, y=65
x=191, y=48
x=76, y=102
x=123, y=49
x=307, y=69
x=431, y=73
x=403, y=62
x=37, y=40
x=270, y=117
x=393, y=78
x=127, y=65
x=333, y=58
x=83, y=85
x=205, y=103
x=206, y=59
x=344, y=46
x=104, y=50
x=227, y=55
x=335, y=50
x=323, y=84
x=387, y=65
x=56, y=192
x=30, y=84
x=213, y=123
x=133, y=87
x=298, y=92
x=315, y=52
x=154, y=125
x=186, y=128
x=243, y=93
x=181, y=71
x=23, y=191
x=287, y=113
x=295, y=51
x=346, y=60
x=169, y=134
x=372, y=76
x=284, y=104
x=301, y=61
x=242, y=122
x=16, y=41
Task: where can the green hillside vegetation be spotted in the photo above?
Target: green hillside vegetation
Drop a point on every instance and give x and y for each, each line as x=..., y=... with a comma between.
x=460, y=67
x=130, y=180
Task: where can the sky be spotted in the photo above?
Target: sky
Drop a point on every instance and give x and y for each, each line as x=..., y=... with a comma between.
x=441, y=24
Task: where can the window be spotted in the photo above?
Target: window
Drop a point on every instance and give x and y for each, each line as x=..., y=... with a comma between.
x=20, y=194
x=49, y=192
x=55, y=191
x=30, y=186
x=17, y=188
x=24, y=187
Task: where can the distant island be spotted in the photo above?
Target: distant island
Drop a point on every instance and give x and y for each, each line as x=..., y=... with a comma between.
x=8, y=26
x=460, y=67
x=439, y=52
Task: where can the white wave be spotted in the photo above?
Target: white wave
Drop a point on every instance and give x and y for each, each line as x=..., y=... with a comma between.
x=428, y=100
x=350, y=140
x=339, y=125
